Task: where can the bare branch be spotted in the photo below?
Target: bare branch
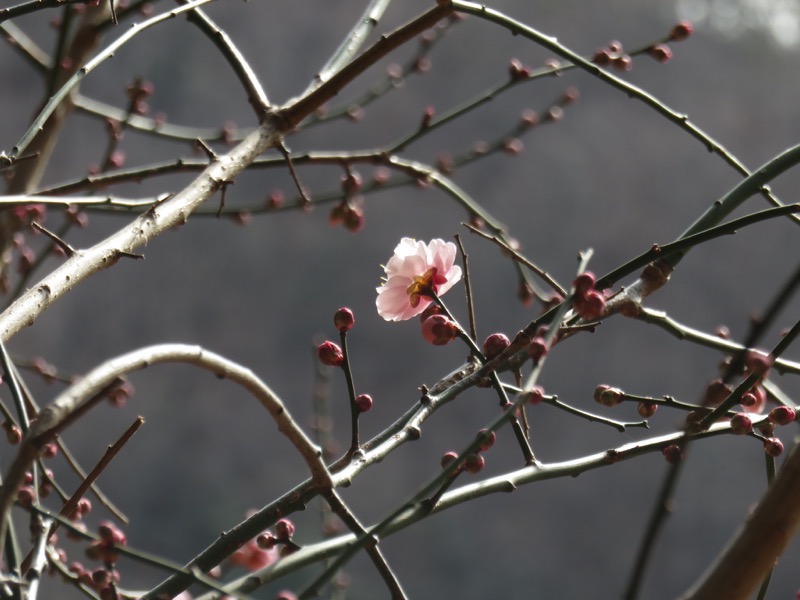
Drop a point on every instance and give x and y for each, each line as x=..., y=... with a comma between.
x=79, y=397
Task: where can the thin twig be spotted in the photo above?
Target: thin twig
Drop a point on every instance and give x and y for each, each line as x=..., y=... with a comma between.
x=348, y=518
x=68, y=250
x=658, y=516
x=67, y=454
x=244, y=72
x=776, y=305
x=500, y=484
x=90, y=66
x=144, y=557
x=82, y=395
x=473, y=331
x=351, y=393
x=553, y=400
x=10, y=375
x=352, y=42
x=506, y=247
x=293, y=172
x=684, y=332
x=630, y=90
x=298, y=109
x=68, y=510
x=391, y=81
x=674, y=251
x=69, y=507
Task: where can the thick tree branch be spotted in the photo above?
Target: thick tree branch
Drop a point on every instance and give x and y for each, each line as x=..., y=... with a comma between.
x=166, y=215
x=753, y=551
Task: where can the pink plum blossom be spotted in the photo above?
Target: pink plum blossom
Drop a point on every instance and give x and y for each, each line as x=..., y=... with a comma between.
x=416, y=269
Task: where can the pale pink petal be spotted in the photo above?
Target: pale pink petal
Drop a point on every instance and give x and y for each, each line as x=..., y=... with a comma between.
x=443, y=254
x=453, y=277
x=393, y=303
x=412, y=259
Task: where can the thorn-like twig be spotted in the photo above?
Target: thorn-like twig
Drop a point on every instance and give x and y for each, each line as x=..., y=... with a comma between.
x=300, y=189
x=473, y=332
x=71, y=505
x=519, y=258
x=207, y=150
x=68, y=250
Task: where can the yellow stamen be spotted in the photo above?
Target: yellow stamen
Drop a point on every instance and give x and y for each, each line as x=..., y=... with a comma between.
x=422, y=286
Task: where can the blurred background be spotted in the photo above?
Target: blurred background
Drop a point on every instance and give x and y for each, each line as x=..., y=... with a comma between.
x=612, y=175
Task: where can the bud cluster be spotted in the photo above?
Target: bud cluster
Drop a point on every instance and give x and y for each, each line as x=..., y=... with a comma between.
x=608, y=396
x=589, y=303
x=613, y=55
x=472, y=462
x=106, y=549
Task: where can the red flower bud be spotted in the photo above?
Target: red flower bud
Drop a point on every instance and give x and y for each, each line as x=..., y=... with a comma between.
x=660, y=52
x=623, y=62
x=681, y=31
x=518, y=71
x=427, y=117
x=344, y=319
x=363, y=402
x=284, y=529
x=330, y=354
x=495, y=344
x=351, y=183
x=741, y=424
x=584, y=283
x=757, y=362
x=591, y=306
x=672, y=454
x=266, y=541
x=602, y=57
x=433, y=309
x=487, y=439
x=448, y=458
x=754, y=400
x=608, y=396
x=474, y=463
x=25, y=496
x=773, y=447
x=537, y=348
x=646, y=409
x=782, y=415
x=439, y=330
x=536, y=395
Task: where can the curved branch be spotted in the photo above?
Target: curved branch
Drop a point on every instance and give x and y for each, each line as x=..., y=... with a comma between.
x=244, y=72
x=83, y=395
x=97, y=108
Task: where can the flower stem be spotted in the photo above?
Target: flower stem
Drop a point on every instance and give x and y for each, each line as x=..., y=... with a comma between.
x=351, y=392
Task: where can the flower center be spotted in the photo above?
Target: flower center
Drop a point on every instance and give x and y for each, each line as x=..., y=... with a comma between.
x=423, y=285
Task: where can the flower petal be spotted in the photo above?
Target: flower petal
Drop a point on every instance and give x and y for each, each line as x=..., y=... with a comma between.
x=411, y=261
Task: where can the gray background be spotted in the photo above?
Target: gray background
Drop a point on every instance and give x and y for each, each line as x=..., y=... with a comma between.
x=612, y=176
